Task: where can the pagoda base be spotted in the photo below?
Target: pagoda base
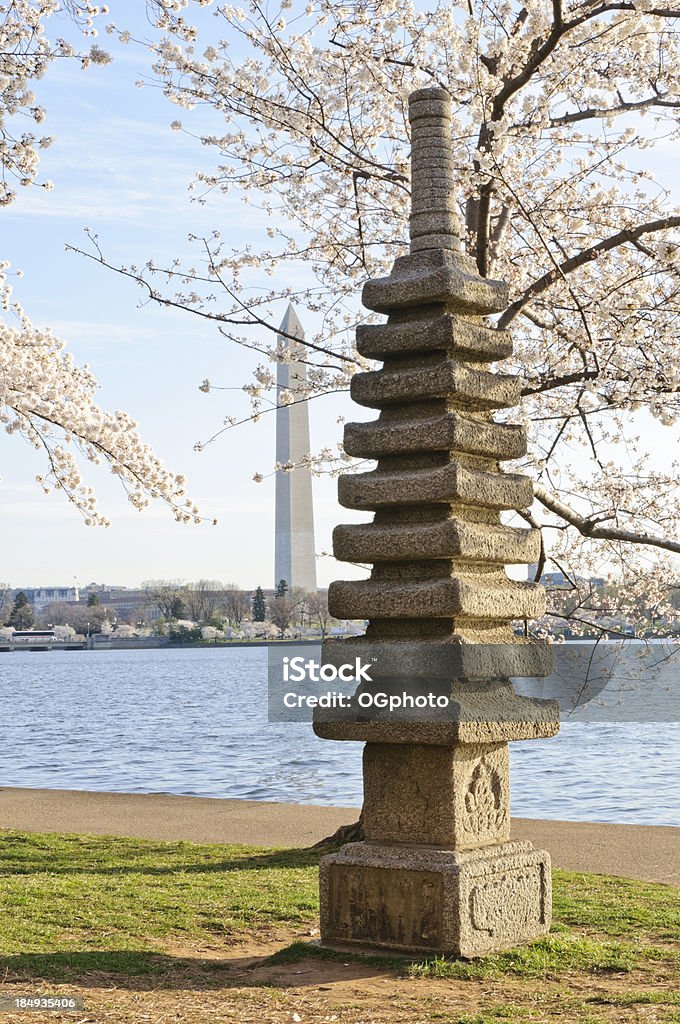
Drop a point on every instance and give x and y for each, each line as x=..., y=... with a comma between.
x=422, y=900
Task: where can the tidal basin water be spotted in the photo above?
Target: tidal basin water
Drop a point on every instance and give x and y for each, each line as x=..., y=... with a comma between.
x=194, y=722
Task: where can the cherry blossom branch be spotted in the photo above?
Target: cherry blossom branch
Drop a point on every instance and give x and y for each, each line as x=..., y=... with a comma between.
x=587, y=255
x=528, y=517
x=221, y=318
x=569, y=616
x=274, y=407
x=512, y=84
x=551, y=383
x=598, y=113
x=592, y=528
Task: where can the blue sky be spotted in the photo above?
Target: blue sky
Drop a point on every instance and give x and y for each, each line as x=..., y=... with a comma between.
x=121, y=171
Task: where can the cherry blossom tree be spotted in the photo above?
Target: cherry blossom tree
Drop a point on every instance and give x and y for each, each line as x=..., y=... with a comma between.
x=44, y=396
x=558, y=105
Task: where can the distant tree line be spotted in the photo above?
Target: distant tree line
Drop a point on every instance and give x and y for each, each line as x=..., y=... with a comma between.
x=176, y=608
x=211, y=603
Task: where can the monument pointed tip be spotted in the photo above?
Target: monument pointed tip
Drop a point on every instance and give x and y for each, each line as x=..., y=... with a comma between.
x=290, y=325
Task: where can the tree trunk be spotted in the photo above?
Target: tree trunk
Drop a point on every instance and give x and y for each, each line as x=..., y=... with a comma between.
x=353, y=833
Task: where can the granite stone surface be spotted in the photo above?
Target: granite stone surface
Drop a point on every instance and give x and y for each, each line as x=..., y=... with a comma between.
x=430, y=901
x=445, y=431
x=438, y=872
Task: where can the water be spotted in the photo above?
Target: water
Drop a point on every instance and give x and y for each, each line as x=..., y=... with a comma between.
x=194, y=722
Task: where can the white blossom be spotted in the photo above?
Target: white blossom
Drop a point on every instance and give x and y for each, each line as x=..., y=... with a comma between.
x=44, y=396
x=551, y=158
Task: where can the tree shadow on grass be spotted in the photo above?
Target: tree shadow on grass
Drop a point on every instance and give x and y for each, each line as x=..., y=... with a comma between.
x=142, y=970
x=297, y=858
x=304, y=963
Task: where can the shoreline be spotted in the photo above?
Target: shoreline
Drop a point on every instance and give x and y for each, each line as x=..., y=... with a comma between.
x=154, y=643
x=645, y=852
x=150, y=644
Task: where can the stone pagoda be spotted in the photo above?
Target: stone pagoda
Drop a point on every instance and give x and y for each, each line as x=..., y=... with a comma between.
x=438, y=871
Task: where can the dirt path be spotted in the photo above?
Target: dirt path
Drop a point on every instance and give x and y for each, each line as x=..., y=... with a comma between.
x=239, y=984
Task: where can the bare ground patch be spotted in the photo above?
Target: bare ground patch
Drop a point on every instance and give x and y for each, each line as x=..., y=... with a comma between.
x=199, y=983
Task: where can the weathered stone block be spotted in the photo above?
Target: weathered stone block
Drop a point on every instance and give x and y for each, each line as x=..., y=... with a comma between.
x=425, y=901
x=449, y=332
x=431, y=277
x=438, y=220
x=493, y=727
x=436, y=241
x=478, y=388
x=453, y=538
x=450, y=657
x=449, y=483
x=448, y=432
x=434, y=199
x=469, y=806
x=455, y=597
x=440, y=241
x=429, y=103
x=480, y=704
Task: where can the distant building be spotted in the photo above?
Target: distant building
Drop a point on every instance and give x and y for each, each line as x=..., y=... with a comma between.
x=559, y=579
x=123, y=603
x=555, y=579
x=40, y=597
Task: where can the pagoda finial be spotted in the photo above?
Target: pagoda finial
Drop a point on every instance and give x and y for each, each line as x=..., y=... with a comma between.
x=434, y=222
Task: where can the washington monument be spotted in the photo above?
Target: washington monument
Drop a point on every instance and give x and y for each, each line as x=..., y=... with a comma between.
x=294, y=555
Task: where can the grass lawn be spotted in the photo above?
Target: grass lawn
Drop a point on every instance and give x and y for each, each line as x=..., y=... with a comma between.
x=181, y=932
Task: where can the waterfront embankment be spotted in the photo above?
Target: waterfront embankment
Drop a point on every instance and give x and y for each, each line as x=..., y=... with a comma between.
x=646, y=852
